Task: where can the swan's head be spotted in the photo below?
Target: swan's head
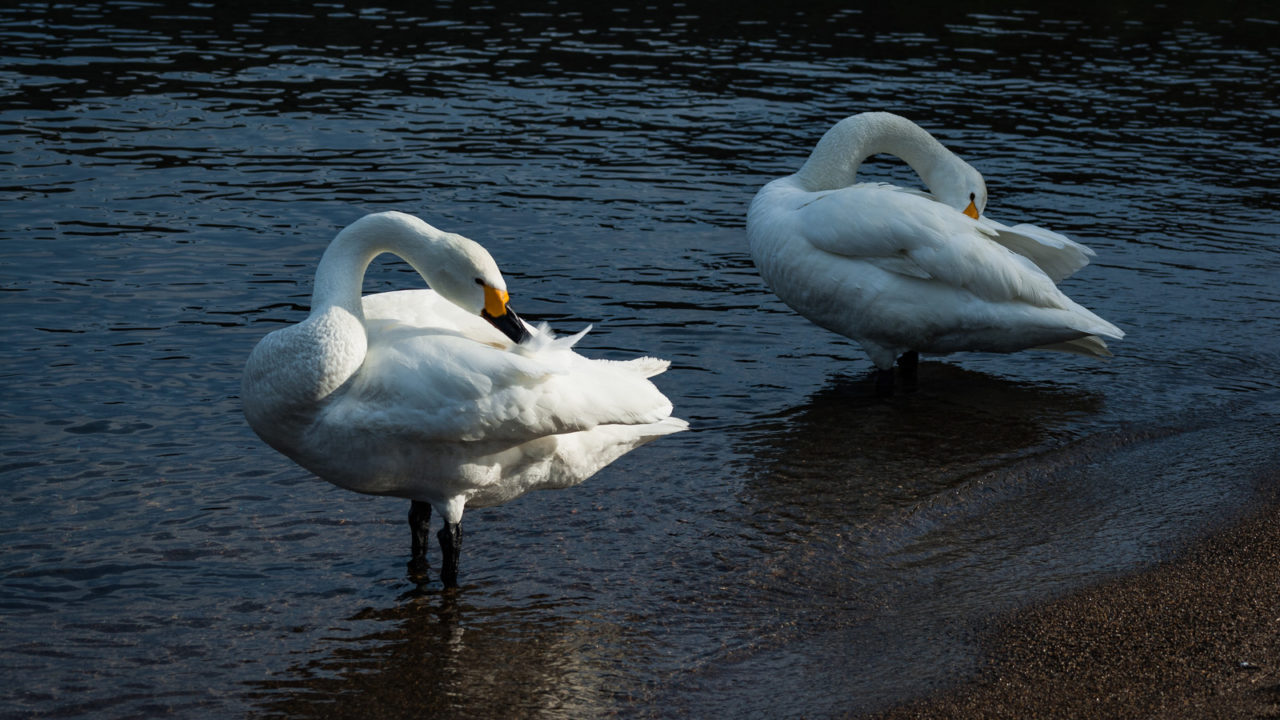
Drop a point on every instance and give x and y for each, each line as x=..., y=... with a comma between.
x=467, y=276
x=959, y=185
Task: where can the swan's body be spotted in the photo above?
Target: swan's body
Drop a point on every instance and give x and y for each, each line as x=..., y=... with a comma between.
x=413, y=394
x=902, y=271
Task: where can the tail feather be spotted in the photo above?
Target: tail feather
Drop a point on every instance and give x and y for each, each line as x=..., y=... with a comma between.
x=665, y=426
x=1091, y=345
x=644, y=366
x=1086, y=321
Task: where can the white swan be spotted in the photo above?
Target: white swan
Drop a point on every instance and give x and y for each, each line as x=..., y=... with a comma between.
x=902, y=271
x=413, y=394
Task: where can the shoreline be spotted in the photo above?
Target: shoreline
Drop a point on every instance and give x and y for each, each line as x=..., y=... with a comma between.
x=1197, y=636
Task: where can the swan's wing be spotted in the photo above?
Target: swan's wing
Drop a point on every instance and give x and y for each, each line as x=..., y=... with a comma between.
x=1057, y=255
x=453, y=377
x=912, y=235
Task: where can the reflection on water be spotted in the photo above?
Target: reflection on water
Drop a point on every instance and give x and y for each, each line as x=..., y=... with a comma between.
x=174, y=170
x=430, y=651
x=853, y=455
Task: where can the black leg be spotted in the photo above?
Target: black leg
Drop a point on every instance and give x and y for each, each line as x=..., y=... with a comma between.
x=419, y=527
x=451, y=543
x=884, y=383
x=908, y=364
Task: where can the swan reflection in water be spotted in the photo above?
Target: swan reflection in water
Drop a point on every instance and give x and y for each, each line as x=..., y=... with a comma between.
x=845, y=459
x=435, y=655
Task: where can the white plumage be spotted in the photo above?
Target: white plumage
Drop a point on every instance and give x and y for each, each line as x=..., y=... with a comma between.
x=902, y=271
x=413, y=394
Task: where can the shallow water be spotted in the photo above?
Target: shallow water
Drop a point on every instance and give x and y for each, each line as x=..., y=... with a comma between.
x=173, y=172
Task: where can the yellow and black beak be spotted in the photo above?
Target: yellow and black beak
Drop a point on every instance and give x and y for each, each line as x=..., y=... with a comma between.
x=972, y=210
x=501, y=316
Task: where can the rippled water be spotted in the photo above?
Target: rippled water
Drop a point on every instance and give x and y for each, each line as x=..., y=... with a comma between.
x=172, y=172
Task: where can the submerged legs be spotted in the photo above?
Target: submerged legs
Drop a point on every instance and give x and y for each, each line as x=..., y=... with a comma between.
x=419, y=527
x=908, y=364
x=451, y=545
x=884, y=383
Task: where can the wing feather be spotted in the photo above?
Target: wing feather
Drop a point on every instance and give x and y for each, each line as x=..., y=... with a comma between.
x=911, y=234
x=436, y=374
x=1057, y=255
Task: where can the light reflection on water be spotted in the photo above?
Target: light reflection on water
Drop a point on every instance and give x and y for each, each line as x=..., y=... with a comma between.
x=429, y=647
x=173, y=175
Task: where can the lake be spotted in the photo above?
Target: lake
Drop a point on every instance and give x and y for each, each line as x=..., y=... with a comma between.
x=172, y=173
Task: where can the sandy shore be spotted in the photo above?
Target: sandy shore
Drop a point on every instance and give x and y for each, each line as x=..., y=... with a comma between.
x=1198, y=637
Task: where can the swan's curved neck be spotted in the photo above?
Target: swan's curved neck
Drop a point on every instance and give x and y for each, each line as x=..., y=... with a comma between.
x=835, y=161
x=333, y=338
x=340, y=276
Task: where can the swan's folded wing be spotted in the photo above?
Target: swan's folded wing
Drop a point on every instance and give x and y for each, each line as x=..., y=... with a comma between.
x=1057, y=255
x=915, y=236
x=439, y=386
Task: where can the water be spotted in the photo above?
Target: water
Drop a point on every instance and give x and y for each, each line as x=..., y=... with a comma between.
x=172, y=173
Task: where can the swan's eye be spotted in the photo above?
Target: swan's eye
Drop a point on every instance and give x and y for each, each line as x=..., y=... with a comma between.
x=973, y=197
x=479, y=281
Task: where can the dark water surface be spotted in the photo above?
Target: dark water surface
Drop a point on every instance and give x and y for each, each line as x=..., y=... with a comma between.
x=171, y=174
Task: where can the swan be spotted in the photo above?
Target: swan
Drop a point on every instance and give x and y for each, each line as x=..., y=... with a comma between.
x=903, y=272
x=444, y=396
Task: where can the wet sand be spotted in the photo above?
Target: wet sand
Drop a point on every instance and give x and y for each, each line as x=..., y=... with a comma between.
x=1196, y=637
